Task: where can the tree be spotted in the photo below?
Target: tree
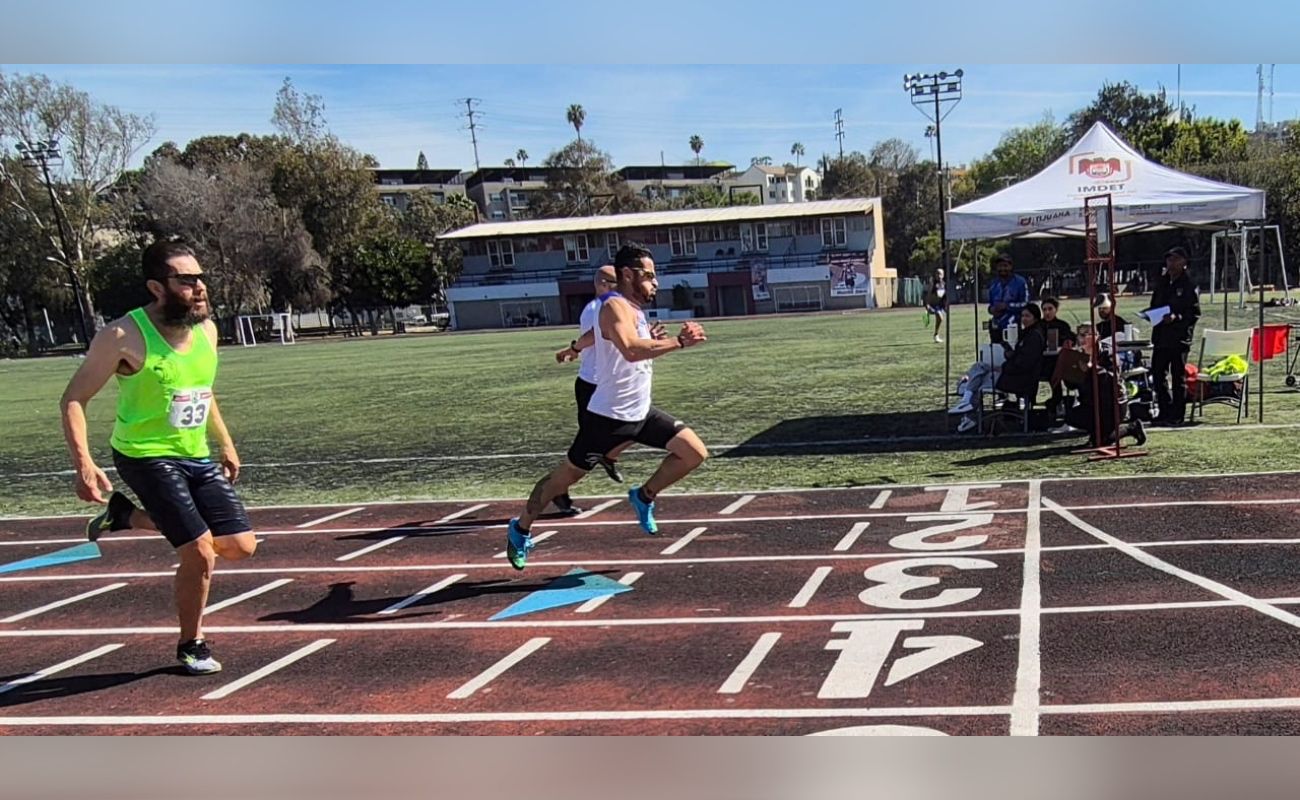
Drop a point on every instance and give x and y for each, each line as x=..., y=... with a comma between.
x=421, y=163
x=386, y=269
x=705, y=197
x=764, y=160
x=510, y=162
x=96, y=143
x=27, y=285
x=797, y=151
x=328, y=183
x=697, y=144
x=424, y=220
x=850, y=176
x=1020, y=154
x=521, y=155
x=581, y=181
x=1124, y=109
x=576, y=116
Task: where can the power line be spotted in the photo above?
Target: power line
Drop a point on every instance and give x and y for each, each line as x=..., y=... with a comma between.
x=470, y=102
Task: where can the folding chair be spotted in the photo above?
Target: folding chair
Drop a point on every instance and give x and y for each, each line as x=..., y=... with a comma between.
x=1215, y=346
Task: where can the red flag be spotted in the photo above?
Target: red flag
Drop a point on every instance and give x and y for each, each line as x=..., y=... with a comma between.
x=1275, y=337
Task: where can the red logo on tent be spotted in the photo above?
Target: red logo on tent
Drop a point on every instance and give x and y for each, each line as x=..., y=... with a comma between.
x=1100, y=168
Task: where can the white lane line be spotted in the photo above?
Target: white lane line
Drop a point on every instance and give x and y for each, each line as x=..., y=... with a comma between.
x=423, y=593
x=1024, y=704
x=856, y=712
x=682, y=542
x=541, y=537
x=594, y=510
x=64, y=602
x=766, y=619
x=278, y=664
x=462, y=513
x=239, y=598
x=736, y=506
x=881, y=499
x=370, y=548
x=810, y=588
x=621, y=715
x=1006, y=551
x=331, y=517
x=749, y=664
x=1149, y=560
x=596, y=602
x=851, y=537
x=57, y=668
x=498, y=669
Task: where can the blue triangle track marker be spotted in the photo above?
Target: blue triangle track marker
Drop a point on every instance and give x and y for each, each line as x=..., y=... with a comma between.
x=68, y=555
x=578, y=586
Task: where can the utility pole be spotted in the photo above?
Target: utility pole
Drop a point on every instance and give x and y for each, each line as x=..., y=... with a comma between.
x=42, y=154
x=839, y=129
x=470, y=111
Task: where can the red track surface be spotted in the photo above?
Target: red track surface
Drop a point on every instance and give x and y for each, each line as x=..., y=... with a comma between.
x=1148, y=606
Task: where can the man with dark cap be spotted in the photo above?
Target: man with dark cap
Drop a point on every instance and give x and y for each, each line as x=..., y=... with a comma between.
x=1008, y=294
x=1171, y=340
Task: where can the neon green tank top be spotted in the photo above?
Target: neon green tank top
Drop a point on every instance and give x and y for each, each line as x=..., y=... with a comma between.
x=162, y=410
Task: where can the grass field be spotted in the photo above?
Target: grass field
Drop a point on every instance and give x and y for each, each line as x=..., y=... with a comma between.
x=792, y=401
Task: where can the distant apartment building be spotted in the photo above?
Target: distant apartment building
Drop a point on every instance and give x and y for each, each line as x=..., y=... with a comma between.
x=786, y=184
x=737, y=260
x=395, y=186
x=502, y=193
x=674, y=181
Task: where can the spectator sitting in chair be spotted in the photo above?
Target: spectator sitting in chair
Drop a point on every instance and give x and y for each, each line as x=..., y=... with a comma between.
x=980, y=378
x=1008, y=294
x=1020, y=368
x=1108, y=319
x=1082, y=416
x=1063, y=337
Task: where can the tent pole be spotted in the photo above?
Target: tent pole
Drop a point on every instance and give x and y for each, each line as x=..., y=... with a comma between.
x=1263, y=251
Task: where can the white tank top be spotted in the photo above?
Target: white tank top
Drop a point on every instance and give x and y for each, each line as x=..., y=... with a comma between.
x=590, y=319
x=622, y=387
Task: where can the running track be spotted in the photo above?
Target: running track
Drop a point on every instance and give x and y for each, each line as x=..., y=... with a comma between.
x=1126, y=606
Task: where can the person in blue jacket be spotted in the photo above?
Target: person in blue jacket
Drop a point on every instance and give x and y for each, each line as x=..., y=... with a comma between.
x=1008, y=293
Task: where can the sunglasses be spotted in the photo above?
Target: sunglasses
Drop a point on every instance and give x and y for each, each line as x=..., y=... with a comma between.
x=186, y=280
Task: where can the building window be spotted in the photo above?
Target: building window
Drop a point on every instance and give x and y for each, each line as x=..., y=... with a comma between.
x=498, y=215
x=494, y=197
x=772, y=194
x=439, y=197
x=760, y=236
x=507, y=253
x=575, y=249
x=611, y=244
x=519, y=199
x=806, y=227
x=388, y=200
x=391, y=181
x=494, y=253
x=808, y=182
x=834, y=232
x=810, y=195
x=682, y=241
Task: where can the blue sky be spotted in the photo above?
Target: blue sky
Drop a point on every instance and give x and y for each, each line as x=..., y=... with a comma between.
x=637, y=111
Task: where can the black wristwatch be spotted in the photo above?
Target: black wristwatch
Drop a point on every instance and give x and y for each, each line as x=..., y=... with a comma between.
x=573, y=345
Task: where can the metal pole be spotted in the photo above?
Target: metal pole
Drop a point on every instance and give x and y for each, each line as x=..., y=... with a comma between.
x=943, y=240
x=1259, y=346
x=975, y=264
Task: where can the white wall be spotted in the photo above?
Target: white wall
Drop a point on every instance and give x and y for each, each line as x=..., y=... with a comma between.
x=505, y=291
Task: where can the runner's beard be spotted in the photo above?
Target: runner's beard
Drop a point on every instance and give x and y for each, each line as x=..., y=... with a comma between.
x=177, y=311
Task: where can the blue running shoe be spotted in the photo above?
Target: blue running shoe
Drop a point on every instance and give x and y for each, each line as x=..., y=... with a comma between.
x=518, y=545
x=645, y=512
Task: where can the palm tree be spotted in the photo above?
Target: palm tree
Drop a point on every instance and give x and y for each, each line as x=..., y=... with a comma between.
x=697, y=144
x=797, y=151
x=576, y=116
x=522, y=157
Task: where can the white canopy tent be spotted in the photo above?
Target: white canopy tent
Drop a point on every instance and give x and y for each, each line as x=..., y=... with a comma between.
x=1144, y=196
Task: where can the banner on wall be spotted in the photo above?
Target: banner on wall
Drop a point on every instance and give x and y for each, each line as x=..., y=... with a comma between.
x=849, y=276
x=758, y=279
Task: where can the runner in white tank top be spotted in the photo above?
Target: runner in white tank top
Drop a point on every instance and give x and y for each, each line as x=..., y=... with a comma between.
x=620, y=411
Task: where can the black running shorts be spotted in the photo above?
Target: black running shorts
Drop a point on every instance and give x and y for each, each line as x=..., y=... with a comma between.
x=582, y=392
x=597, y=435
x=184, y=496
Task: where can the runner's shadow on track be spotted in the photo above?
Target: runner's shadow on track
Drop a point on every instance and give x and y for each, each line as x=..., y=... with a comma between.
x=893, y=432
x=341, y=604
x=55, y=687
x=427, y=528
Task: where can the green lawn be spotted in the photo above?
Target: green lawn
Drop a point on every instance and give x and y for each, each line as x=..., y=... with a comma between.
x=779, y=385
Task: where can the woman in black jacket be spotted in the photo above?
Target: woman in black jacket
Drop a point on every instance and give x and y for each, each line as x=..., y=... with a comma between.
x=1024, y=365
